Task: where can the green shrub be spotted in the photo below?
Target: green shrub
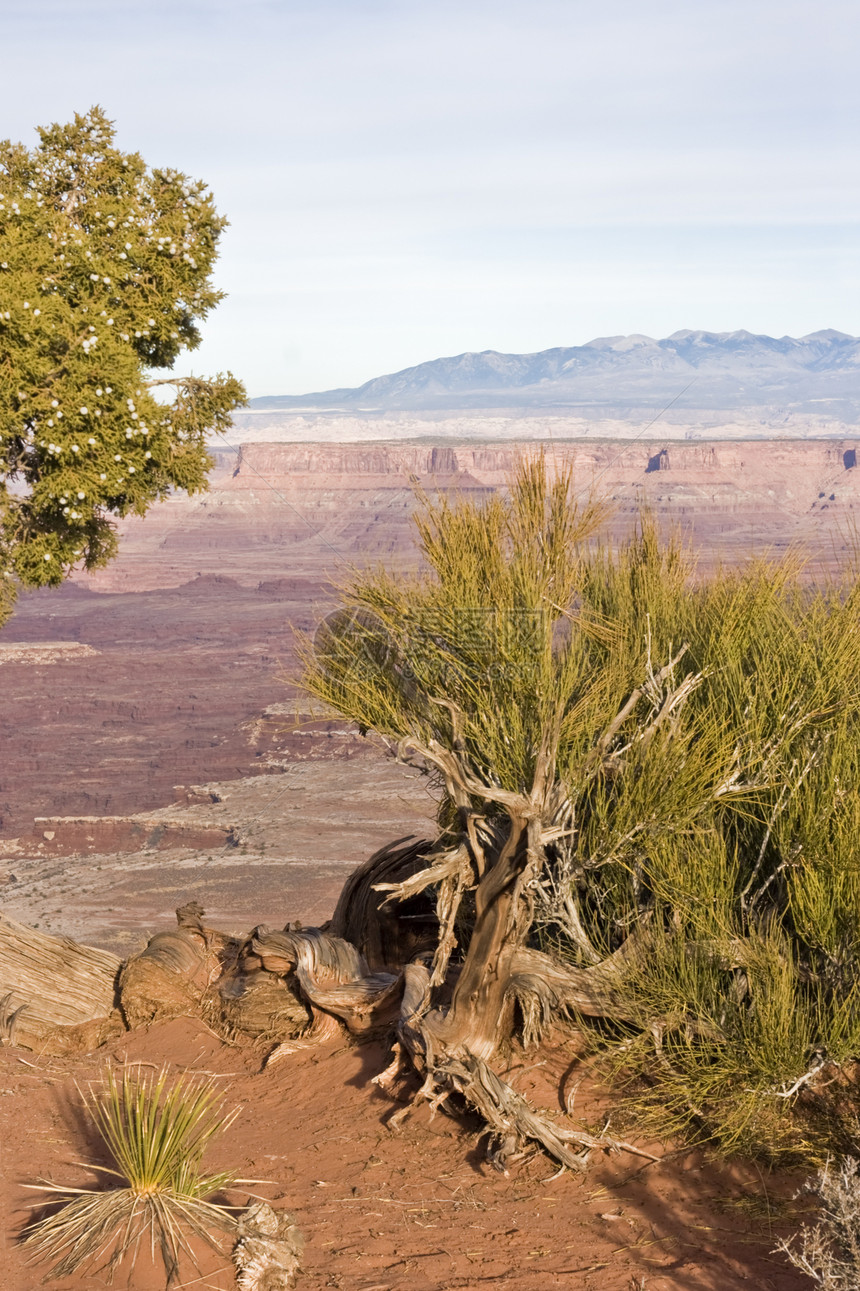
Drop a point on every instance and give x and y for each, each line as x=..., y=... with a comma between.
x=688, y=753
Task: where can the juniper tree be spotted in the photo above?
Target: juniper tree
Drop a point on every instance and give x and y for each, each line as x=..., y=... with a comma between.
x=105, y=273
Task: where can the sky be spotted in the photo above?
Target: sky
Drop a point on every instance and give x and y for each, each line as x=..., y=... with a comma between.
x=407, y=179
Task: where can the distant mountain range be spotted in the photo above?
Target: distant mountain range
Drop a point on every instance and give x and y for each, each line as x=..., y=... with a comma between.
x=617, y=375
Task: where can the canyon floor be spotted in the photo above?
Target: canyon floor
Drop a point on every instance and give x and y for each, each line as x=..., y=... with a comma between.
x=154, y=749
x=261, y=850
x=157, y=670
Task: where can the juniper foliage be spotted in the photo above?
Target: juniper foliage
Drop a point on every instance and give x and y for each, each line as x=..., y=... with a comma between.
x=105, y=273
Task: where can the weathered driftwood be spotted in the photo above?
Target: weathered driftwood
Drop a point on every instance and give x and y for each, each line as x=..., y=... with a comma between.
x=48, y=982
x=171, y=975
x=388, y=935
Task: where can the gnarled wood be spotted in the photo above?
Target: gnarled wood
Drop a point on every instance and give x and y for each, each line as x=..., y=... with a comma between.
x=451, y=870
x=323, y=957
x=363, y=1003
x=255, y=1003
x=48, y=982
x=331, y=975
x=388, y=934
x=511, y=1122
x=170, y=976
x=546, y=985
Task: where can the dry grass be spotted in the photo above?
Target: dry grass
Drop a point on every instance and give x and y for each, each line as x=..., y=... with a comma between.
x=829, y=1252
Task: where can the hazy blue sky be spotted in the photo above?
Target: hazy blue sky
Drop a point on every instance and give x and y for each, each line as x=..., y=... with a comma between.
x=412, y=178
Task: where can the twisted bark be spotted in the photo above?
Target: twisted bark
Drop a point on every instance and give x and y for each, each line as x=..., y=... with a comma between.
x=48, y=984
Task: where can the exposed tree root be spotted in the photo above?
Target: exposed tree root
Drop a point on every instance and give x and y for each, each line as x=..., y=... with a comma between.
x=301, y=987
x=511, y=1122
x=51, y=983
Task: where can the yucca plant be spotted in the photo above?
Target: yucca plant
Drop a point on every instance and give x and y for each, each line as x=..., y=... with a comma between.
x=156, y=1131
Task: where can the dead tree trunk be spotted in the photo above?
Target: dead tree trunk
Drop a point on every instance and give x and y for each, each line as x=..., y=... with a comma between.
x=51, y=985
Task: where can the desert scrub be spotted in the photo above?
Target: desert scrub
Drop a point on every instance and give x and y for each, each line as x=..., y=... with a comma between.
x=829, y=1252
x=742, y=874
x=648, y=806
x=156, y=1131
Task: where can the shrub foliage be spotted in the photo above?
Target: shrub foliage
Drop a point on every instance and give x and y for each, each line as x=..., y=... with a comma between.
x=105, y=272
x=699, y=826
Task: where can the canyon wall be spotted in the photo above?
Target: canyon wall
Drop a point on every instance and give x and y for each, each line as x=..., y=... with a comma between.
x=156, y=671
x=299, y=510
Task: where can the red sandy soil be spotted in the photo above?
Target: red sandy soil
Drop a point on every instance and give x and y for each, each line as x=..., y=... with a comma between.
x=414, y=1211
